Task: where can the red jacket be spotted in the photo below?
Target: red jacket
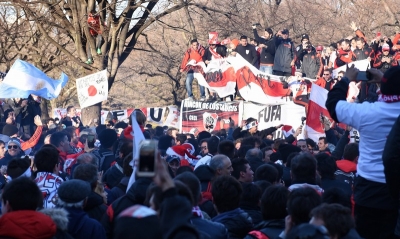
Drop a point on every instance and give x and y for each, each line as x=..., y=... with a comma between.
x=322, y=82
x=67, y=161
x=94, y=24
x=344, y=57
x=191, y=54
x=26, y=224
x=33, y=140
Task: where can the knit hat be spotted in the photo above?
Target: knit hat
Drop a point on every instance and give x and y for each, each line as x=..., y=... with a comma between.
x=319, y=48
x=269, y=30
x=286, y=149
x=107, y=138
x=304, y=36
x=15, y=141
x=385, y=47
x=285, y=31
x=213, y=38
x=74, y=191
x=10, y=130
x=390, y=84
x=137, y=222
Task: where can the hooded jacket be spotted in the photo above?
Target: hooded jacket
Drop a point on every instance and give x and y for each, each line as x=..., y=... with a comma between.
x=346, y=171
x=113, y=175
x=209, y=229
x=26, y=224
x=60, y=218
x=237, y=222
x=285, y=53
x=135, y=195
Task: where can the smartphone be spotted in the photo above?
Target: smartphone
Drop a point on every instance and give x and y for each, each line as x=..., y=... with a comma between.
x=362, y=76
x=90, y=141
x=147, y=158
x=378, y=34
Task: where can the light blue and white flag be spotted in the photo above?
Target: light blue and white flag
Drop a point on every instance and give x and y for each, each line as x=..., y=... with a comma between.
x=24, y=79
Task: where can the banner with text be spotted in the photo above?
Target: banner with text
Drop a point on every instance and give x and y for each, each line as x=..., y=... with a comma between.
x=209, y=116
x=274, y=115
x=157, y=116
x=92, y=89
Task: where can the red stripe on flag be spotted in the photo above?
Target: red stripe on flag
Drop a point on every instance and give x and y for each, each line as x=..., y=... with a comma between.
x=313, y=115
x=244, y=76
x=218, y=79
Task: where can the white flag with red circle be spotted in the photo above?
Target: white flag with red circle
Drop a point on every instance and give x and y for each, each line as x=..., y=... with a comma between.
x=92, y=89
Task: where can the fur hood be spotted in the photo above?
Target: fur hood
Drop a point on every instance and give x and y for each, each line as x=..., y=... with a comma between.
x=59, y=216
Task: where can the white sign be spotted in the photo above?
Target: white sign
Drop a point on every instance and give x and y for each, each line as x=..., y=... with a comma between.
x=361, y=65
x=92, y=89
x=274, y=115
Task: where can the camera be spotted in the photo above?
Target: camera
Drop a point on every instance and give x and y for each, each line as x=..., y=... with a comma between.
x=302, y=120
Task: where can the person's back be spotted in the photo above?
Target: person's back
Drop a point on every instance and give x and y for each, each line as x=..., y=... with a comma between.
x=226, y=192
x=20, y=199
x=72, y=197
x=371, y=194
x=47, y=179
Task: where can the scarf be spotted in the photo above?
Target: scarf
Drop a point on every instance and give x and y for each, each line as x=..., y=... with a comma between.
x=215, y=54
x=389, y=98
x=196, y=211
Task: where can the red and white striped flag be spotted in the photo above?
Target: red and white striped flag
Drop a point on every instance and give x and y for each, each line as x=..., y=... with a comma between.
x=316, y=107
x=287, y=130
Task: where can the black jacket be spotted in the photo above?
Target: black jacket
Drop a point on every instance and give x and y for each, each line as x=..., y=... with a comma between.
x=135, y=195
x=237, y=221
x=267, y=54
x=253, y=210
x=221, y=50
x=208, y=229
x=249, y=53
x=270, y=228
x=391, y=160
x=118, y=191
x=239, y=133
x=95, y=207
x=334, y=183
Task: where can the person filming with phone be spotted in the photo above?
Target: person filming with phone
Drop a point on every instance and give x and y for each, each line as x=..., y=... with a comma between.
x=373, y=202
x=384, y=60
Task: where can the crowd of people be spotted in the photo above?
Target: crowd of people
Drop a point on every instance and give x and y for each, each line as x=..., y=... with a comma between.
x=62, y=179
x=277, y=54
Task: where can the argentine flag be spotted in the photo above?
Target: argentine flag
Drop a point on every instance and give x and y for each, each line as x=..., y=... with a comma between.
x=24, y=79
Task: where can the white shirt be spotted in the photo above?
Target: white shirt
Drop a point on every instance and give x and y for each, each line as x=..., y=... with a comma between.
x=204, y=160
x=374, y=122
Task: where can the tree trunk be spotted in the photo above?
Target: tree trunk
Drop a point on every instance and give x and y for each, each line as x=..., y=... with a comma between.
x=91, y=114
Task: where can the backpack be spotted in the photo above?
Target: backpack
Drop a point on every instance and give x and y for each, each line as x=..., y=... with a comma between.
x=101, y=156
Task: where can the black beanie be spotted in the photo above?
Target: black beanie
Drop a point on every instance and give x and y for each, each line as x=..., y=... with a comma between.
x=107, y=138
x=390, y=84
x=10, y=130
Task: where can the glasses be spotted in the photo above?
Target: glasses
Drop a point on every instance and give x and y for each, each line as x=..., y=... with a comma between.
x=326, y=74
x=339, y=77
x=12, y=146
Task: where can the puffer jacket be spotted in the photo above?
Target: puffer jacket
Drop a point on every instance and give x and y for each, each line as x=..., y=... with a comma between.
x=312, y=65
x=237, y=222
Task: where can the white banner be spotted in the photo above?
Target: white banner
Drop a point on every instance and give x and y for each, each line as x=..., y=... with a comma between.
x=274, y=115
x=92, y=89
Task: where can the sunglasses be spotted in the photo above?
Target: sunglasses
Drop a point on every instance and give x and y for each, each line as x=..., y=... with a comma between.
x=12, y=147
x=339, y=77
